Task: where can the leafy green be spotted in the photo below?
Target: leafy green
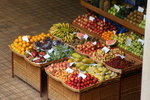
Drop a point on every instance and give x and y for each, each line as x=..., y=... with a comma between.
x=61, y=51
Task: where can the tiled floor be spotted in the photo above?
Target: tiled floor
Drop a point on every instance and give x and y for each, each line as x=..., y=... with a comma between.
x=18, y=17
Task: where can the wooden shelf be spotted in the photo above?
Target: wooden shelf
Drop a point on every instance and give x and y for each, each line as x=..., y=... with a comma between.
x=113, y=18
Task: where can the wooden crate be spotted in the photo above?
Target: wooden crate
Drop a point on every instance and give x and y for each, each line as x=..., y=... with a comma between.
x=131, y=86
x=56, y=91
x=27, y=72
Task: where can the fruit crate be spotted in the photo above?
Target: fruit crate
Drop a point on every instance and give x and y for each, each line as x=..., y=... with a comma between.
x=57, y=91
x=136, y=66
x=30, y=74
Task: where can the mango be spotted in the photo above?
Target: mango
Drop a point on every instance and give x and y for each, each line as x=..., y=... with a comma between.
x=87, y=61
x=76, y=55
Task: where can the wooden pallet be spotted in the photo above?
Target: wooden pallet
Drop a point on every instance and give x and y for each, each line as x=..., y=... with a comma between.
x=27, y=72
x=56, y=91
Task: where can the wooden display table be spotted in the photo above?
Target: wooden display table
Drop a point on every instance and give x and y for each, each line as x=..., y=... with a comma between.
x=131, y=86
x=27, y=72
x=56, y=91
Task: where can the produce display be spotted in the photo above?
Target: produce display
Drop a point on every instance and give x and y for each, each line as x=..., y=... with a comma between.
x=79, y=39
x=101, y=56
x=119, y=63
x=135, y=17
x=77, y=82
x=59, y=70
x=48, y=50
x=123, y=12
x=23, y=43
x=82, y=62
x=93, y=24
x=101, y=72
x=64, y=31
x=107, y=35
x=89, y=47
x=136, y=45
x=142, y=24
x=80, y=72
x=113, y=10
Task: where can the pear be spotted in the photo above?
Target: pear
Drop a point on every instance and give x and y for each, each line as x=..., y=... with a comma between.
x=105, y=69
x=107, y=77
x=70, y=60
x=76, y=55
x=100, y=69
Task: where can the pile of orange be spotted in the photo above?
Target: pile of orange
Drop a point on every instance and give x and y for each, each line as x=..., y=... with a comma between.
x=20, y=46
x=107, y=35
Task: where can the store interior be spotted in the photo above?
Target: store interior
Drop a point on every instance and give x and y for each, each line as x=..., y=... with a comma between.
x=98, y=40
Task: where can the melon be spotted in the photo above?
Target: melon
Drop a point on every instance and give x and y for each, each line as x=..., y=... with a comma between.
x=80, y=35
x=110, y=42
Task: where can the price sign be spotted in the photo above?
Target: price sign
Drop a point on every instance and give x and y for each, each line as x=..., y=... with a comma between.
x=104, y=20
x=140, y=9
x=28, y=53
x=91, y=18
x=114, y=32
x=105, y=49
x=85, y=36
x=128, y=41
x=117, y=7
x=51, y=50
x=142, y=41
x=25, y=38
x=70, y=64
x=36, y=58
x=94, y=43
x=82, y=75
x=122, y=57
x=47, y=56
x=69, y=70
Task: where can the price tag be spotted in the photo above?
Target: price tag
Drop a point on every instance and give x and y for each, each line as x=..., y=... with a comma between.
x=117, y=7
x=112, y=74
x=47, y=56
x=85, y=36
x=36, y=58
x=144, y=17
x=82, y=75
x=69, y=70
x=51, y=50
x=105, y=49
x=114, y=32
x=104, y=20
x=140, y=9
x=28, y=53
x=74, y=33
x=142, y=41
x=128, y=41
x=70, y=64
x=122, y=57
x=91, y=18
x=25, y=38
x=94, y=43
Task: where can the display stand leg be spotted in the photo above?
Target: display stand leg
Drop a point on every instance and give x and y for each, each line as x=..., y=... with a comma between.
x=40, y=82
x=47, y=86
x=119, y=90
x=12, y=62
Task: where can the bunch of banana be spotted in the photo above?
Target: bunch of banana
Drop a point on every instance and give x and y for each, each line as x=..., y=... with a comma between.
x=64, y=31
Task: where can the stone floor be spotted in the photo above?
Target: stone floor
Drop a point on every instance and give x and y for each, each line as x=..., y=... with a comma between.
x=19, y=17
